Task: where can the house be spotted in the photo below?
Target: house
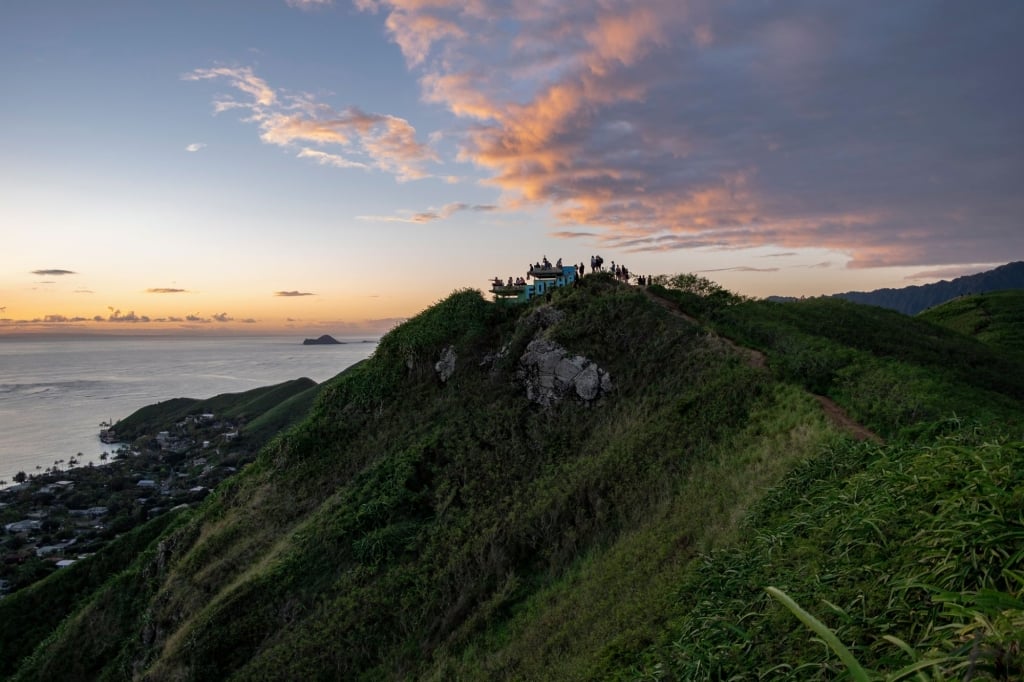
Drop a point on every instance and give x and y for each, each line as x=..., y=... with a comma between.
x=91, y=512
x=24, y=526
x=546, y=277
x=50, y=550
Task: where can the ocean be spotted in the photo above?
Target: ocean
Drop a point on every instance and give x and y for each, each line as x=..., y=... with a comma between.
x=55, y=392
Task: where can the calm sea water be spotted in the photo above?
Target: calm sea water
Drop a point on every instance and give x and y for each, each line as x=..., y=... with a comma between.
x=54, y=393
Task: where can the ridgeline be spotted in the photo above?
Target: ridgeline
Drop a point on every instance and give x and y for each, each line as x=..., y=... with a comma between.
x=915, y=299
x=600, y=487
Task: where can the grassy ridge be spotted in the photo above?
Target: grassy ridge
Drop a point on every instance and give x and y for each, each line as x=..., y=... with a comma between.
x=993, y=319
x=414, y=529
x=246, y=405
x=892, y=373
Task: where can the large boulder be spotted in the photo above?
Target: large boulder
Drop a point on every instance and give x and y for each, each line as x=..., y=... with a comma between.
x=550, y=373
x=445, y=367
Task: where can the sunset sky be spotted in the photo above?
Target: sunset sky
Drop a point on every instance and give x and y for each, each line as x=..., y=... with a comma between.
x=309, y=165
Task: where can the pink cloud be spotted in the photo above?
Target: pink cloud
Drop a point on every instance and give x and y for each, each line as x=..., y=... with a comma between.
x=429, y=215
x=669, y=125
x=241, y=78
x=370, y=140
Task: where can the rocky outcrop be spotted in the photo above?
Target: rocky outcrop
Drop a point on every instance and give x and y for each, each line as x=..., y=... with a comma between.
x=550, y=373
x=445, y=367
x=543, y=317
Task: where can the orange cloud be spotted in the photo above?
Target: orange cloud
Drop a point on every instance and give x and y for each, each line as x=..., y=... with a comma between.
x=671, y=125
x=380, y=141
x=430, y=215
x=241, y=78
x=415, y=33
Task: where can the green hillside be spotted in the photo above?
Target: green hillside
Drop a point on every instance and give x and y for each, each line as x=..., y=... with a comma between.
x=996, y=319
x=251, y=404
x=602, y=487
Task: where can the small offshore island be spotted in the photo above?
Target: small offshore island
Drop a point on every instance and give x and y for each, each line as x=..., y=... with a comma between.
x=325, y=340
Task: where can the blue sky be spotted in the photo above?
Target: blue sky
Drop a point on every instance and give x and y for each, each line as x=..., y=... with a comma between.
x=336, y=165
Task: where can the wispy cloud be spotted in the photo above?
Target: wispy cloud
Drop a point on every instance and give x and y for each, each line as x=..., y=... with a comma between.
x=952, y=272
x=242, y=79
x=740, y=268
x=289, y=294
x=309, y=4
x=222, y=317
x=165, y=290
x=195, y=146
x=325, y=159
x=572, y=234
x=84, y=291
x=53, y=272
x=369, y=140
x=430, y=215
x=675, y=125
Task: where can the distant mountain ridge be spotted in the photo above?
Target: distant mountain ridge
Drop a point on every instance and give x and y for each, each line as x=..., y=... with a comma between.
x=913, y=299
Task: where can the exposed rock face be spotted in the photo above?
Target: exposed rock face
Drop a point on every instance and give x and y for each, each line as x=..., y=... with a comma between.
x=550, y=373
x=446, y=365
x=543, y=317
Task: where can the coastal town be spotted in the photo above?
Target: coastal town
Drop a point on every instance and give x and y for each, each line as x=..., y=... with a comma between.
x=55, y=517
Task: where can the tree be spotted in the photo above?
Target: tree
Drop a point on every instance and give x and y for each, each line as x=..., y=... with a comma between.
x=699, y=295
x=701, y=286
x=20, y=477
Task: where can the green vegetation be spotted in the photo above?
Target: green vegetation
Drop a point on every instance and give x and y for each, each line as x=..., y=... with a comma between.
x=914, y=555
x=892, y=373
x=993, y=319
x=30, y=615
x=252, y=404
x=414, y=528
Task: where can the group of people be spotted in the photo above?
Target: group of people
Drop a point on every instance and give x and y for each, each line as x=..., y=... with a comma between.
x=519, y=281
x=544, y=264
x=620, y=272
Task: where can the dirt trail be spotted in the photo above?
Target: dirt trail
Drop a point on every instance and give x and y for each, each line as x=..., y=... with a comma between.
x=756, y=358
x=839, y=417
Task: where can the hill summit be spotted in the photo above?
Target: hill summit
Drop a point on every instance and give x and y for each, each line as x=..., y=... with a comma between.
x=662, y=483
